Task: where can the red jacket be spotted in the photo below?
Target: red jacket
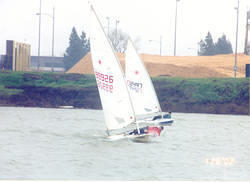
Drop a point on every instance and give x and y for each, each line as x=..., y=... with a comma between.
x=154, y=130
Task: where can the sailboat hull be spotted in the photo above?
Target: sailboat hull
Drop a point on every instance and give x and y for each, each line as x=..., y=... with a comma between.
x=159, y=122
x=142, y=138
x=163, y=122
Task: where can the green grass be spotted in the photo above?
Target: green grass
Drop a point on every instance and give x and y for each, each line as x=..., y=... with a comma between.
x=17, y=79
x=195, y=90
x=8, y=92
x=208, y=90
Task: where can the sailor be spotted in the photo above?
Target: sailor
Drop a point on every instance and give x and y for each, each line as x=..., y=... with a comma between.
x=142, y=131
x=167, y=116
x=154, y=130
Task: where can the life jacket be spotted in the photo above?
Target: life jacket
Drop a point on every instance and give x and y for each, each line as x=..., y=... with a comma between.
x=154, y=130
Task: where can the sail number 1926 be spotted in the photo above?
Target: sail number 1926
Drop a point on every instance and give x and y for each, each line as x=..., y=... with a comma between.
x=104, y=81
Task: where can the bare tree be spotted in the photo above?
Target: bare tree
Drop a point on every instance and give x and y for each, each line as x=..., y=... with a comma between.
x=119, y=40
x=137, y=43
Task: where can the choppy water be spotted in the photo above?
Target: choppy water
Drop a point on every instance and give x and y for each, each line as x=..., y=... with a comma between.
x=61, y=144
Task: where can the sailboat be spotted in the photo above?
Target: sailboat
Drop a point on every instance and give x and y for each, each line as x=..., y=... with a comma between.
x=144, y=99
x=118, y=110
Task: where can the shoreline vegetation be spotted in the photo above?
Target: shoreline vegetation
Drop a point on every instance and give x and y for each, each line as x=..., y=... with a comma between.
x=187, y=95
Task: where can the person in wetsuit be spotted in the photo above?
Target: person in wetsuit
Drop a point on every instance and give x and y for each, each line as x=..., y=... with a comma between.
x=167, y=116
x=154, y=130
x=142, y=131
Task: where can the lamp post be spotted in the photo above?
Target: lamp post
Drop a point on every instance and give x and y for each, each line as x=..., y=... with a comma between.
x=236, y=42
x=108, y=24
x=159, y=42
x=53, y=33
x=116, y=35
x=53, y=38
x=39, y=36
x=160, y=45
x=176, y=5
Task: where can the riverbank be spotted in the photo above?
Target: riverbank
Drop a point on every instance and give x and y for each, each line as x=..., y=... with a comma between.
x=192, y=95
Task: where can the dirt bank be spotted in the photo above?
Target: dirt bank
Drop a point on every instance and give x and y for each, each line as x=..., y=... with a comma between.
x=179, y=66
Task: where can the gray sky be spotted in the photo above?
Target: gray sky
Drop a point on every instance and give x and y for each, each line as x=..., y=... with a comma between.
x=143, y=19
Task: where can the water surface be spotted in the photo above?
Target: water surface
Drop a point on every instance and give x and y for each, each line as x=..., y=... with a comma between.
x=71, y=144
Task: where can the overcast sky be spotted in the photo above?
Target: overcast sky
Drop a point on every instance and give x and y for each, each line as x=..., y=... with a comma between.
x=143, y=19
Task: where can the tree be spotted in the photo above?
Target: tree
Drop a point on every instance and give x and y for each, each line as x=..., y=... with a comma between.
x=119, y=40
x=223, y=46
x=202, y=49
x=85, y=43
x=208, y=48
x=78, y=47
x=209, y=45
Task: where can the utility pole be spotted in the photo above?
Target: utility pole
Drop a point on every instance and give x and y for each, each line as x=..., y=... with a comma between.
x=176, y=5
x=116, y=35
x=236, y=44
x=39, y=37
x=53, y=31
x=247, y=50
x=160, y=45
x=53, y=35
x=108, y=25
x=53, y=38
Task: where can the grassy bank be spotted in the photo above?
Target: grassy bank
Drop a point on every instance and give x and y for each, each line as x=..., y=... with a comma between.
x=53, y=80
x=207, y=95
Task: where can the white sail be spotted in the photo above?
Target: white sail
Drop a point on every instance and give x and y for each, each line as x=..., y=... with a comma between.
x=115, y=98
x=140, y=86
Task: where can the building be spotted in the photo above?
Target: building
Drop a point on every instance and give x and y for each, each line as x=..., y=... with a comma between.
x=2, y=60
x=47, y=63
x=18, y=58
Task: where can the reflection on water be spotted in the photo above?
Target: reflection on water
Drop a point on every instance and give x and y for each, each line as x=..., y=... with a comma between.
x=62, y=144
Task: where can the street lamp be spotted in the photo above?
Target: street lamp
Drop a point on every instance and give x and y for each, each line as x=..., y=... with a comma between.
x=53, y=33
x=159, y=42
x=39, y=36
x=176, y=5
x=108, y=24
x=160, y=45
x=116, y=36
x=237, y=23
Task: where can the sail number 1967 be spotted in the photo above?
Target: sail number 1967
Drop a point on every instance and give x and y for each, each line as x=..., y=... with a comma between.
x=104, y=81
